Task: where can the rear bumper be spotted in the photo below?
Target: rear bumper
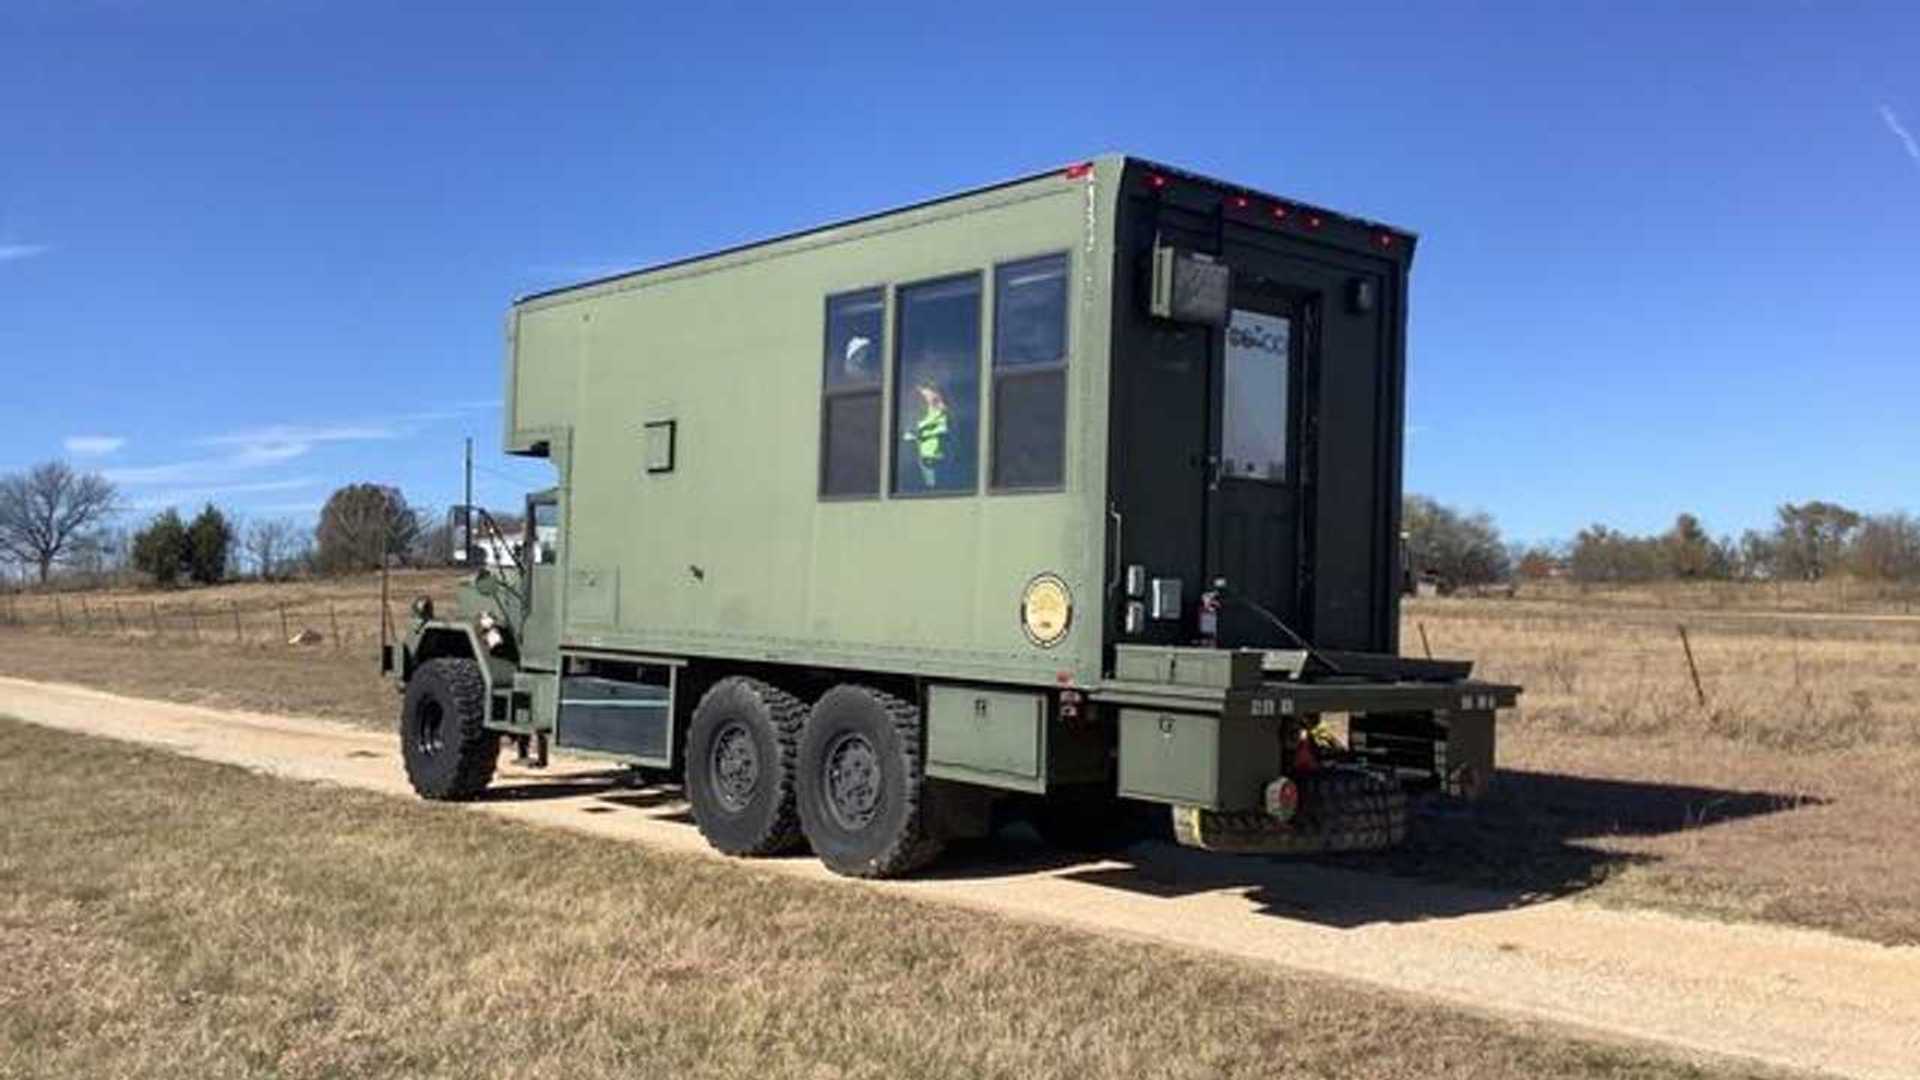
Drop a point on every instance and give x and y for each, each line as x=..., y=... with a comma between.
x=1304, y=699
x=1217, y=748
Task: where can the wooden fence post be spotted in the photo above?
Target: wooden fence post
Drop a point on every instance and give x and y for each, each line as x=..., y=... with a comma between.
x=285, y=635
x=193, y=620
x=60, y=612
x=333, y=618
x=153, y=609
x=1699, y=691
x=120, y=619
x=1424, y=643
x=235, y=604
x=86, y=614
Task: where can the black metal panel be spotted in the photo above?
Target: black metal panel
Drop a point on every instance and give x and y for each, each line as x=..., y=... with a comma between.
x=614, y=717
x=1335, y=529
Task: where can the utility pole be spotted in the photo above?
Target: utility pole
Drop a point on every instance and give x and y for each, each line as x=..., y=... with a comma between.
x=466, y=511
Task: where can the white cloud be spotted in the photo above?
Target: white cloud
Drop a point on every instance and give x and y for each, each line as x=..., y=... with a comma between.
x=182, y=496
x=303, y=434
x=15, y=252
x=246, y=450
x=94, y=445
x=1900, y=132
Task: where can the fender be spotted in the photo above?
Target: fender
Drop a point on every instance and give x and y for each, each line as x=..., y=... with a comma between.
x=437, y=638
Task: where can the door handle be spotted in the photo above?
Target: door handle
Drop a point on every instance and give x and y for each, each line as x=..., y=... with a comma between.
x=1114, y=522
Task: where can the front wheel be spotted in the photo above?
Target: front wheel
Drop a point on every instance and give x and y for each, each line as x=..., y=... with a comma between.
x=449, y=752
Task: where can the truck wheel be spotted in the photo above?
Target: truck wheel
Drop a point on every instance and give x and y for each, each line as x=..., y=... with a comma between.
x=448, y=751
x=740, y=751
x=863, y=786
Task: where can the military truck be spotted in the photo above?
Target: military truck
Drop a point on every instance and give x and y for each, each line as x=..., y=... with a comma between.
x=1061, y=496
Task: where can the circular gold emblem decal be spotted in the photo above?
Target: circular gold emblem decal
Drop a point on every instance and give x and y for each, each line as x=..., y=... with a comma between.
x=1046, y=609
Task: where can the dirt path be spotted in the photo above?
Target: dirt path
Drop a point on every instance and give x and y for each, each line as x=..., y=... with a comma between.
x=1794, y=998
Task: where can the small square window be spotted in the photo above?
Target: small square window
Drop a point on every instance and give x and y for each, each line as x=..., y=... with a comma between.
x=660, y=446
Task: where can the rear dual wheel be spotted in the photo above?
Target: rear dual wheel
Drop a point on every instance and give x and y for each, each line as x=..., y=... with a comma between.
x=763, y=771
x=863, y=784
x=740, y=767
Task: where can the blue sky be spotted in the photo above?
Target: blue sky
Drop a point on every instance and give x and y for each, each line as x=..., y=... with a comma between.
x=251, y=251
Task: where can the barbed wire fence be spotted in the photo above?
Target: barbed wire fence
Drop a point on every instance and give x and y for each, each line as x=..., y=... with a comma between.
x=312, y=625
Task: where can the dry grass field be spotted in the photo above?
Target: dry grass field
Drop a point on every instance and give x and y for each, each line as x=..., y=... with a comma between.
x=1789, y=796
x=166, y=917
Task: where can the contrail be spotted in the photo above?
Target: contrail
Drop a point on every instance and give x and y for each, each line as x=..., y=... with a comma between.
x=1900, y=132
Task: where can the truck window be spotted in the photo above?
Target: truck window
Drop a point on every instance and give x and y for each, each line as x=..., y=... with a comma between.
x=1030, y=373
x=937, y=387
x=545, y=531
x=1253, y=443
x=850, y=394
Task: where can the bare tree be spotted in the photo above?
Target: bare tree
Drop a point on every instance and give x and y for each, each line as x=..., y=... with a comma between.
x=1462, y=549
x=363, y=526
x=47, y=509
x=271, y=545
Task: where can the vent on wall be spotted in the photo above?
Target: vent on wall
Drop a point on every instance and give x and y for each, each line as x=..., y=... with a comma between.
x=659, y=449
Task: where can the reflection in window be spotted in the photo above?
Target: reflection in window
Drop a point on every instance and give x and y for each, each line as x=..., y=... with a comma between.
x=545, y=528
x=1030, y=373
x=1253, y=442
x=937, y=386
x=850, y=406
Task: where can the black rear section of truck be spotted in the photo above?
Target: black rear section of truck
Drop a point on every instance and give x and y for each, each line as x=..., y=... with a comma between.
x=1264, y=449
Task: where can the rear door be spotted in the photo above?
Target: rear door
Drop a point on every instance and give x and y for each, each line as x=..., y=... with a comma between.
x=1255, y=540
x=1263, y=449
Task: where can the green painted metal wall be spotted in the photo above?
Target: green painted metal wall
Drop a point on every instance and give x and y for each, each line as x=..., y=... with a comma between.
x=733, y=553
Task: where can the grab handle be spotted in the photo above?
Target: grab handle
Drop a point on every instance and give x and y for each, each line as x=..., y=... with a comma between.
x=1114, y=522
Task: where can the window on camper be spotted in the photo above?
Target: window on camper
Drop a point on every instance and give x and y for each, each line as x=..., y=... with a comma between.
x=936, y=405
x=850, y=407
x=1030, y=373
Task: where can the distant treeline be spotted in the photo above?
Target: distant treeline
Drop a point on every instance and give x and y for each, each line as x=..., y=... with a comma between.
x=1807, y=542
x=66, y=528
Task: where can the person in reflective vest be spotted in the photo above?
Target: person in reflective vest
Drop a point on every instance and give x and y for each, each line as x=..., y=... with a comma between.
x=929, y=435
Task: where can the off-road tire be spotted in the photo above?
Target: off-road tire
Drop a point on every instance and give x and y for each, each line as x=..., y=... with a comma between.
x=1341, y=811
x=741, y=748
x=448, y=751
x=863, y=784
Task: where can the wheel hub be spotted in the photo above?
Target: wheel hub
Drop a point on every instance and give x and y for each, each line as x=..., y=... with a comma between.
x=853, y=782
x=735, y=766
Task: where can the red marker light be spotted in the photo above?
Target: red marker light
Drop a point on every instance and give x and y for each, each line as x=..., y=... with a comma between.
x=1279, y=213
x=1156, y=181
x=1241, y=202
x=1385, y=240
x=1080, y=171
x=1313, y=221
